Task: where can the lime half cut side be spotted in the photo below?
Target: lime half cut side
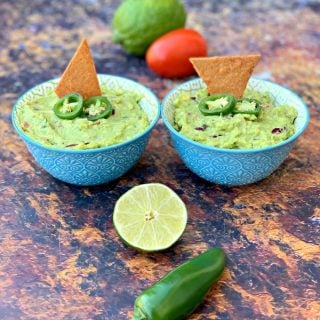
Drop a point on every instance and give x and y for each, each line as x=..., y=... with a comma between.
x=150, y=217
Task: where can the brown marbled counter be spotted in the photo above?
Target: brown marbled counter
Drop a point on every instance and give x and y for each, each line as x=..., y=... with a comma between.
x=60, y=257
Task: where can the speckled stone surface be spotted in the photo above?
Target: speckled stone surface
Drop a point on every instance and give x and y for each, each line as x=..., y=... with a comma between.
x=60, y=257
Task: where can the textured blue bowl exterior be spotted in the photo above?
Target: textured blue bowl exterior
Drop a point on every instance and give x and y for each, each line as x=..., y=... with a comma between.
x=92, y=166
x=227, y=166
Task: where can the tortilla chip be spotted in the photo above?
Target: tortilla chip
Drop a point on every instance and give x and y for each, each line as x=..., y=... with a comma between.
x=228, y=74
x=80, y=75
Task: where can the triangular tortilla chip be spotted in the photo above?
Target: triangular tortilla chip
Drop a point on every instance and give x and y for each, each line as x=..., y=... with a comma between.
x=228, y=74
x=80, y=75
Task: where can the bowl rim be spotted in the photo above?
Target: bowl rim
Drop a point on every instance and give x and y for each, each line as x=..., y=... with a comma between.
x=235, y=151
x=76, y=151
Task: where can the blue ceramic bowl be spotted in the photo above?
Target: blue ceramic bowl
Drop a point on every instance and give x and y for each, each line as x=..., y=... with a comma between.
x=92, y=166
x=234, y=167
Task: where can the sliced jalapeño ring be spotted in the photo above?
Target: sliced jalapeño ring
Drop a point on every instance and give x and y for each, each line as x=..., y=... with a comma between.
x=96, y=108
x=69, y=106
x=217, y=104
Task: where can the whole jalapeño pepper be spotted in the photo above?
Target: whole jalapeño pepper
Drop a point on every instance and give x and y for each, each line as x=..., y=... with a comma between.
x=217, y=104
x=247, y=106
x=178, y=293
x=69, y=106
x=97, y=108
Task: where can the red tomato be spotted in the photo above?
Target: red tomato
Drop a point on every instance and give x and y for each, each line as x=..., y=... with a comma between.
x=169, y=55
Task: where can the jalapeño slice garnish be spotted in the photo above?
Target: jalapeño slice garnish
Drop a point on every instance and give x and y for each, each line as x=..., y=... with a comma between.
x=96, y=108
x=247, y=106
x=217, y=104
x=69, y=106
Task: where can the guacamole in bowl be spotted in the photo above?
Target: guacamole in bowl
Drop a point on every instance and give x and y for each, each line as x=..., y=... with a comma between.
x=244, y=130
x=38, y=121
x=234, y=149
x=84, y=152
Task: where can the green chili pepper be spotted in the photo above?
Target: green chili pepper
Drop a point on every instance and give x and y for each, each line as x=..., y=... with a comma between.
x=247, y=106
x=69, y=106
x=178, y=293
x=97, y=108
x=217, y=104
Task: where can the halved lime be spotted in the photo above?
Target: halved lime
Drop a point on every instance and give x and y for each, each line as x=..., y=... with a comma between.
x=150, y=217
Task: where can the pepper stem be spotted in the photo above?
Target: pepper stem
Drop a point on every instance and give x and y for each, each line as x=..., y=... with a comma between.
x=138, y=314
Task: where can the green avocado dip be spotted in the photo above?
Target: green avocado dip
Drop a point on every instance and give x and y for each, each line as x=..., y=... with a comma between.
x=39, y=122
x=274, y=124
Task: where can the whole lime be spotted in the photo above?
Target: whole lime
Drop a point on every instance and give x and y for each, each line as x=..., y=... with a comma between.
x=137, y=23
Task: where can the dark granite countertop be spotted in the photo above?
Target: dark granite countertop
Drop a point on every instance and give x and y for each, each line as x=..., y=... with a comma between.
x=60, y=257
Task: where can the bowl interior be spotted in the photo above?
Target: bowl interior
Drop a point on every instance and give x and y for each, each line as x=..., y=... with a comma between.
x=280, y=95
x=149, y=103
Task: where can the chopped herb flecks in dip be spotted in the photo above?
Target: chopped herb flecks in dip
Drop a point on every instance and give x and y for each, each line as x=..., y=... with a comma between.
x=274, y=124
x=38, y=121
